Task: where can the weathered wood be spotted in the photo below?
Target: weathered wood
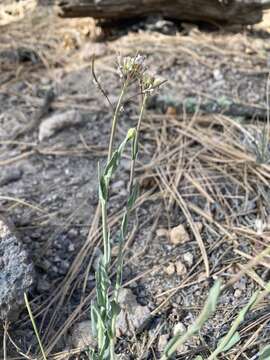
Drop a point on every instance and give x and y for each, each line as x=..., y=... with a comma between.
x=219, y=11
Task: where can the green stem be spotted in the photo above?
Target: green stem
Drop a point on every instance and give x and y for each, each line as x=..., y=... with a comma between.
x=105, y=233
x=130, y=189
x=112, y=353
x=34, y=326
x=115, y=118
x=106, y=244
x=136, y=141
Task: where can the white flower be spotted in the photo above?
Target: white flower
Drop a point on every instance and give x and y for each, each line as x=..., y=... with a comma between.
x=131, y=68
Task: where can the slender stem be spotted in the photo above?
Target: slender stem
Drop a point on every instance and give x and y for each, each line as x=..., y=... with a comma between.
x=34, y=326
x=112, y=353
x=136, y=141
x=115, y=118
x=105, y=232
x=106, y=244
x=127, y=210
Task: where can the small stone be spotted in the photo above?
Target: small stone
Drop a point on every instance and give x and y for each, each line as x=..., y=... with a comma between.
x=189, y=27
x=179, y=329
x=71, y=247
x=162, y=232
x=170, y=269
x=182, y=349
x=237, y=293
x=188, y=258
x=50, y=126
x=260, y=226
x=180, y=268
x=217, y=74
x=162, y=342
x=179, y=235
x=81, y=335
x=171, y=111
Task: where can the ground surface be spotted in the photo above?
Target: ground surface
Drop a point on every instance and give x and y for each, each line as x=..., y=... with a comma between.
x=195, y=167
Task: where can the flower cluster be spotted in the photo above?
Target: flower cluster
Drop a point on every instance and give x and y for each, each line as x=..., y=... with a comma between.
x=133, y=68
x=149, y=82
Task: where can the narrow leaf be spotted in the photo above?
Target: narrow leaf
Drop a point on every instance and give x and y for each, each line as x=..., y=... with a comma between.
x=124, y=226
x=240, y=318
x=103, y=190
x=233, y=340
x=264, y=354
x=209, y=308
x=133, y=197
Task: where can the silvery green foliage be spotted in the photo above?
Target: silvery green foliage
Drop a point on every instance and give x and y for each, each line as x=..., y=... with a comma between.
x=258, y=143
x=232, y=337
x=105, y=310
x=208, y=310
x=265, y=353
x=228, y=341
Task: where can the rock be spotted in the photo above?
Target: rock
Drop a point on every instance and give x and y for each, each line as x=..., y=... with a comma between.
x=81, y=335
x=132, y=315
x=237, y=293
x=161, y=232
x=10, y=175
x=16, y=272
x=179, y=329
x=71, y=247
x=162, y=342
x=182, y=349
x=180, y=268
x=58, y=122
x=179, y=235
x=170, y=269
x=217, y=75
x=171, y=111
x=188, y=259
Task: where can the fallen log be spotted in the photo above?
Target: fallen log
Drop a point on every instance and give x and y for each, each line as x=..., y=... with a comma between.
x=223, y=105
x=217, y=11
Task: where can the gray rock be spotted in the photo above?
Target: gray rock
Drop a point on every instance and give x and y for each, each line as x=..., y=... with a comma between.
x=10, y=175
x=50, y=126
x=16, y=272
x=132, y=315
x=81, y=335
